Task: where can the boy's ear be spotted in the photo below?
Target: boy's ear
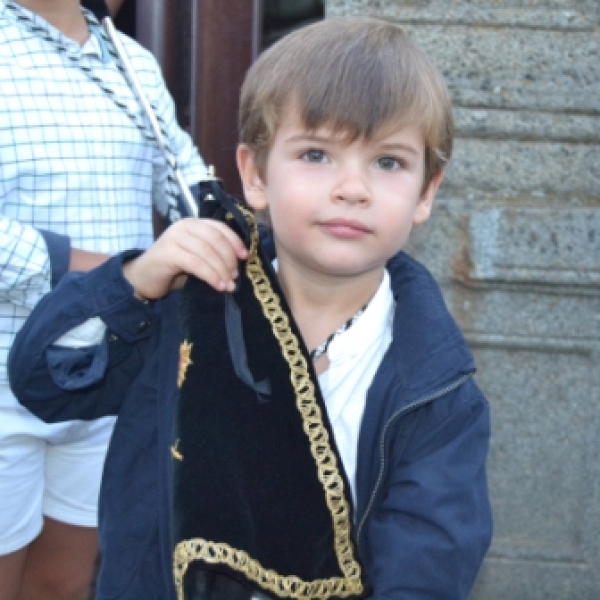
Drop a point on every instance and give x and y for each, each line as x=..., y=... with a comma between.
x=425, y=204
x=251, y=180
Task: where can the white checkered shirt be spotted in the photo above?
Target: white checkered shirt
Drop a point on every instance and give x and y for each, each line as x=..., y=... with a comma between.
x=72, y=161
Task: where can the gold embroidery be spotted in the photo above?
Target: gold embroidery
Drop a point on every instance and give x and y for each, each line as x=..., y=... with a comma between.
x=333, y=484
x=175, y=452
x=184, y=361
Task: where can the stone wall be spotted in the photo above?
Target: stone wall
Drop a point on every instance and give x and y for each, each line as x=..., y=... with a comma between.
x=515, y=244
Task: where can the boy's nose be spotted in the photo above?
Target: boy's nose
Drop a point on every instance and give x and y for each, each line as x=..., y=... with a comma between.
x=352, y=187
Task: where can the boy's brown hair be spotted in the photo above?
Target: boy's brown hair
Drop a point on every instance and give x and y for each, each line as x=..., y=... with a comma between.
x=360, y=76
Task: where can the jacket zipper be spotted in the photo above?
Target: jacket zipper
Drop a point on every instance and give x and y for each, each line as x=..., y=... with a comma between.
x=417, y=403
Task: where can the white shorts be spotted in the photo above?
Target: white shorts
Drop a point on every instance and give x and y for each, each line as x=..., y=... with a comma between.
x=47, y=470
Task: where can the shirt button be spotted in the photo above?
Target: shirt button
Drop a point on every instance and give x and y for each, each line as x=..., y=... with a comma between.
x=143, y=326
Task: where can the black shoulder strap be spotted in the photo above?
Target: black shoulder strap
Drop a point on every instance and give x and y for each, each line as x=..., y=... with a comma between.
x=98, y=7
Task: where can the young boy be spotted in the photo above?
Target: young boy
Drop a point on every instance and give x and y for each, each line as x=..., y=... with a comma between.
x=79, y=175
x=345, y=130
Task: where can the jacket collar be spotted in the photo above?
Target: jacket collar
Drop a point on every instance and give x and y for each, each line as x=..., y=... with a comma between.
x=428, y=349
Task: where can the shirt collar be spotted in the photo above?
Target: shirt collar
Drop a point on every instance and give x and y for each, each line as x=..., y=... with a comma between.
x=94, y=46
x=368, y=328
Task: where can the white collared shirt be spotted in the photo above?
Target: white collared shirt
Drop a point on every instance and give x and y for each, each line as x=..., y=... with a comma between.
x=354, y=357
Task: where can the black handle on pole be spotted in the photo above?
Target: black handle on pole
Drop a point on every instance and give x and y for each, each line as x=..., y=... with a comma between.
x=98, y=7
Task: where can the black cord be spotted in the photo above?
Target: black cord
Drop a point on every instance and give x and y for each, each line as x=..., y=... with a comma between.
x=98, y=7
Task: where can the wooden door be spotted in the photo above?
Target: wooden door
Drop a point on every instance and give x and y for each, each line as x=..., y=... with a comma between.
x=204, y=48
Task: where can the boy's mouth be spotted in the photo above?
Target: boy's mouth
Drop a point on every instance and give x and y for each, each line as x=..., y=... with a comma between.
x=345, y=229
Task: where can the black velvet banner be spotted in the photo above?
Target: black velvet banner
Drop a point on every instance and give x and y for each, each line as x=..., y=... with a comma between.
x=260, y=495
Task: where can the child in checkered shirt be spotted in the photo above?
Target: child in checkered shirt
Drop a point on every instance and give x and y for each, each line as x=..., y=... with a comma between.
x=78, y=179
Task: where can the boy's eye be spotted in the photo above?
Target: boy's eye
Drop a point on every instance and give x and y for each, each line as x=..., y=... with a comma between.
x=314, y=155
x=389, y=163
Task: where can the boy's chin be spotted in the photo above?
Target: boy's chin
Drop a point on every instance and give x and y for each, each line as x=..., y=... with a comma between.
x=351, y=269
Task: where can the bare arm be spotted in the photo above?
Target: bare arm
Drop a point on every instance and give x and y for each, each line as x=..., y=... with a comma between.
x=82, y=260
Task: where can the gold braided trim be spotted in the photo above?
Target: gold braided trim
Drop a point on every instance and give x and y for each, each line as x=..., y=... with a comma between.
x=185, y=351
x=284, y=587
x=333, y=484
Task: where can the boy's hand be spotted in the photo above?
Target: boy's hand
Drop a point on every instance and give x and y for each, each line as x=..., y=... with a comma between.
x=205, y=248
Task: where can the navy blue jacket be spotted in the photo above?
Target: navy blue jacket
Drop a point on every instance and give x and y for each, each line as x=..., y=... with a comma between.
x=423, y=514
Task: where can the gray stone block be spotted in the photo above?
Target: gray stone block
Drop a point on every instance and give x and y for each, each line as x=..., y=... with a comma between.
x=526, y=126
x=538, y=13
x=542, y=469
x=507, y=169
x=537, y=246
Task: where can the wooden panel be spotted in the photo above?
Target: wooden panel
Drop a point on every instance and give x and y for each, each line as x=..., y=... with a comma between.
x=204, y=48
x=225, y=40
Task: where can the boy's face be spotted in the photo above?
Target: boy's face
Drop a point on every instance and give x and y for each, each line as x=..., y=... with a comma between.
x=339, y=209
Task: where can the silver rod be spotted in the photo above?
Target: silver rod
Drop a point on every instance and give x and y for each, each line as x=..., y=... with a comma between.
x=185, y=190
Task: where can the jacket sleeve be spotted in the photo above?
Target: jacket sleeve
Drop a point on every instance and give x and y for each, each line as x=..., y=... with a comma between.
x=59, y=383
x=432, y=524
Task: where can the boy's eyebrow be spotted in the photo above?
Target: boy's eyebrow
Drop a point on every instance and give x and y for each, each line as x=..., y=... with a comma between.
x=402, y=147
x=308, y=137
x=328, y=138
